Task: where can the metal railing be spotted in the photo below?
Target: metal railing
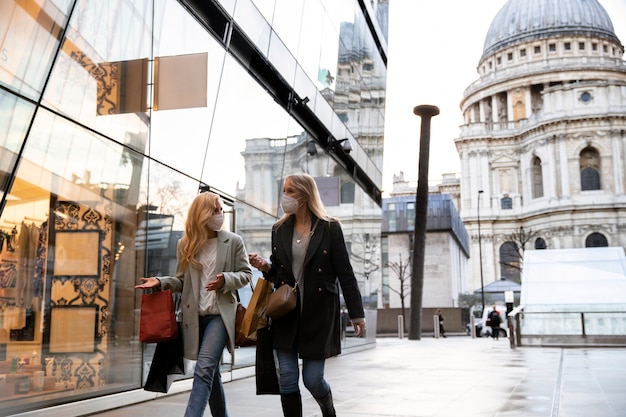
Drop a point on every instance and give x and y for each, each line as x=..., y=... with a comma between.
x=565, y=324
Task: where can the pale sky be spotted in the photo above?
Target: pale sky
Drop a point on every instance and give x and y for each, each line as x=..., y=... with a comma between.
x=434, y=48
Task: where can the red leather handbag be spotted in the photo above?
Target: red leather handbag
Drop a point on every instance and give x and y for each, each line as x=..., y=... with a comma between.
x=157, y=322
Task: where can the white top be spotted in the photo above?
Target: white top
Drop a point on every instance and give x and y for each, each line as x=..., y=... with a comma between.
x=207, y=257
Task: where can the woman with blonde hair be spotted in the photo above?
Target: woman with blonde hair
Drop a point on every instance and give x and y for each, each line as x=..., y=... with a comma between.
x=211, y=265
x=312, y=331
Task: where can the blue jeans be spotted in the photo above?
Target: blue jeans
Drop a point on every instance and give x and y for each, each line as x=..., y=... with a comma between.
x=312, y=374
x=207, y=379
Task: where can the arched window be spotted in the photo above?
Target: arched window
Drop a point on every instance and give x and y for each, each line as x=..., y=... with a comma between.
x=540, y=243
x=537, y=178
x=589, y=169
x=596, y=240
x=510, y=265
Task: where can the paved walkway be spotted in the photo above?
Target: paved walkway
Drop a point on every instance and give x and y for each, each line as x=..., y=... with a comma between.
x=451, y=377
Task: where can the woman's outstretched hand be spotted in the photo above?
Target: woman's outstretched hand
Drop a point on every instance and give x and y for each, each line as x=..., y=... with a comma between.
x=148, y=283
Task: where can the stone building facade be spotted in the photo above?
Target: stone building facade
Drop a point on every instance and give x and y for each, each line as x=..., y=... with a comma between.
x=543, y=144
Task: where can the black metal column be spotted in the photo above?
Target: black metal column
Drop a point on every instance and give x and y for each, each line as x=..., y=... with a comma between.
x=426, y=112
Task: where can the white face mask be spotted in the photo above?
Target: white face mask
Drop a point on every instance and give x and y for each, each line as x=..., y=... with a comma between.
x=289, y=204
x=215, y=222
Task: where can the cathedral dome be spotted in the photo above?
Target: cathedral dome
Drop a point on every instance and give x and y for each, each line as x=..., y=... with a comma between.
x=525, y=20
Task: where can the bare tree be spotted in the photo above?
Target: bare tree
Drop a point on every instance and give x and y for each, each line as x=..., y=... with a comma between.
x=365, y=252
x=400, y=269
x=168, y=197
x=369, y=254
x=512, y=254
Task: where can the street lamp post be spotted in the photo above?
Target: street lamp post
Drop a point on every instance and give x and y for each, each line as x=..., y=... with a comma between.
x=426, y=112
x=480, y=253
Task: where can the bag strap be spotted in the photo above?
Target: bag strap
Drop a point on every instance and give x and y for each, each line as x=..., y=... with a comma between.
x=306, y=249
x=237, y=291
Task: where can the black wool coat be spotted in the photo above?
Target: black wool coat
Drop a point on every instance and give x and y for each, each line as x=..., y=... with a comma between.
x=314, y=325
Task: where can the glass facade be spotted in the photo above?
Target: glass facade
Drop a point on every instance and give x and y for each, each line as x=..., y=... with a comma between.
x=115, y=114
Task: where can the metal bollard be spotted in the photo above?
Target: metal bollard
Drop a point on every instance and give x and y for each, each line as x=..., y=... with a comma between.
x=436, y=326
x=400, y=327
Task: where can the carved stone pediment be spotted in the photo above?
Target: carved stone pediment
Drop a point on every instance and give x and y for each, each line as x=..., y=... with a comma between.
x=501, y=160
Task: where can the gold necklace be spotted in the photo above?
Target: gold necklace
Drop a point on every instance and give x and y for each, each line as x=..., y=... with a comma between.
x=299, y=236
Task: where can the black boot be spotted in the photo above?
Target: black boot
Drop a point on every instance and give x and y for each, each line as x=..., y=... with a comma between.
x=326, y=404
x=292, y=404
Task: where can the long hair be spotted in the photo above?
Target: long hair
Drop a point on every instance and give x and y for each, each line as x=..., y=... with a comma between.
x=196, y=229
x=307, y=187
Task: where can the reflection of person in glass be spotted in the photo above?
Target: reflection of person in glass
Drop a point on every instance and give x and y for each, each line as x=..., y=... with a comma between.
x=313, y=329
x=211, y=265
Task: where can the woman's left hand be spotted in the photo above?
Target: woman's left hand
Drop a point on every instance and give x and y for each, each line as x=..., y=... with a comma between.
x=216, y=284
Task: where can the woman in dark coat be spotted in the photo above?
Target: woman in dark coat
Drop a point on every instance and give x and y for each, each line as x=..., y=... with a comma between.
x=313, y=329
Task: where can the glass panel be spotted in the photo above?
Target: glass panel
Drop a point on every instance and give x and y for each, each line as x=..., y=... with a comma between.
x=282, y=58
x=15, y=116
x=288, y=22
x=246, y=121
x=228, y=5
x=329, y=54
x=253, y=24
x=179, y=137
x=310, y=45
x=255, y=227
x=73, y=211
x=30, y=36
x=104, y=38
x=95, y=213
x=161, y=215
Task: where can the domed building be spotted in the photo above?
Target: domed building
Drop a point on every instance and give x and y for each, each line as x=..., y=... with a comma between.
x=543, y=144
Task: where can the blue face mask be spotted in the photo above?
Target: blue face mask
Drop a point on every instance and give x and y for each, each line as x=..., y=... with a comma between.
x=289, y=204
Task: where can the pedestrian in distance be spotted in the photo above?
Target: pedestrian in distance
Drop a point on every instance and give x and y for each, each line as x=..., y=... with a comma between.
x=494, y=322
x=311, y=331
x=211, y=265
x=439, y=314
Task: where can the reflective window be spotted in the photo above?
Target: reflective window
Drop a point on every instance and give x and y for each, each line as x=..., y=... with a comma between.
x=410, y=216
x=100, y=66
x=179, y=136
x=289, y=20
x=247, y=121
x=33, y=28
x=73, y=211
x=391, y=217
x=15, y=115
x=97, y=194
x=254, y=24
x=347, y=193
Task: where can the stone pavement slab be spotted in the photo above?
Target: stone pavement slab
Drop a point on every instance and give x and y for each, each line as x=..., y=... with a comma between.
x=451, y=377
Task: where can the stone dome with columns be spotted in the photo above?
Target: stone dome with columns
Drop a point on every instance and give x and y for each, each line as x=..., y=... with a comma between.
x=543, y=143
x=525, y=20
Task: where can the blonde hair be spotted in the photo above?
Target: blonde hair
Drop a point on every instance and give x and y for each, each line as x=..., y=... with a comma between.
x=307, y=187
x=196, y=229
